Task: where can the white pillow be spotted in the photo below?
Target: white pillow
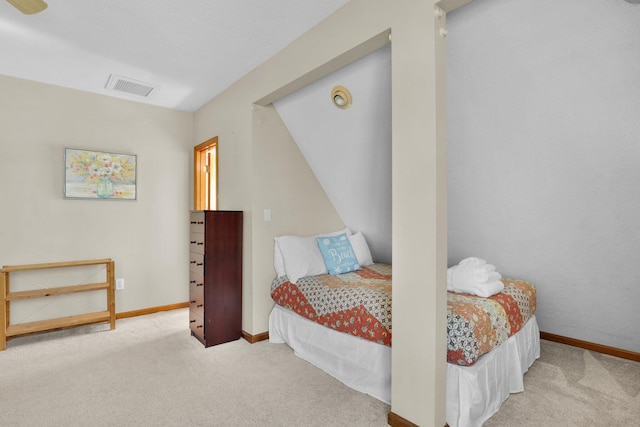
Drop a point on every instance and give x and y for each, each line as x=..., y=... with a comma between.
x=335, y=233
x=296, y=256
x=301, y=256
x=278, y=260
x=361, y=249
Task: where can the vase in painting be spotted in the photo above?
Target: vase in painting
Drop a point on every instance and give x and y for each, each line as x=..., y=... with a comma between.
x=104, y=188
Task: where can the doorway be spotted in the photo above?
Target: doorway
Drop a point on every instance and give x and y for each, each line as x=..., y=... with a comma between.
x=205, y=168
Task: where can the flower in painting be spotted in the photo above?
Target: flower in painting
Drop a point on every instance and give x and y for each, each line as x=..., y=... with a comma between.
x=106, y=173
x=116, y=168
x=93, y=167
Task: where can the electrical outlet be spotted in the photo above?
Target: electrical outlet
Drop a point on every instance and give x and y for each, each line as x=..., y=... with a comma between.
x=119, y=284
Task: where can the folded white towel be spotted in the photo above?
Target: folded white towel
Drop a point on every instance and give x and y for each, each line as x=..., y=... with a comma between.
x=485, y=268
x=487, y=277
x=486, y=290
x=463, y=279
x=474, y=276
x=476, y=262
x=450, y=278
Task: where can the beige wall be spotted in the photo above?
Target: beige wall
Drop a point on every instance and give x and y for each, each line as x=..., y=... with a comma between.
x=248, y=169
x=289, y=188
x=147, y=238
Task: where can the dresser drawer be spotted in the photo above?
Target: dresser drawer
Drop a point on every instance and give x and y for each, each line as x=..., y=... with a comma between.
x=196, y=242
x=196, y=324
x=196, y=263
x=196, y=222
x=196, y=303
x=196, y=283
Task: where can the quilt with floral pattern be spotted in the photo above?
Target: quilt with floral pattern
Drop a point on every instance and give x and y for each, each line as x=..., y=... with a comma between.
x=359, y=304
x=477, y=325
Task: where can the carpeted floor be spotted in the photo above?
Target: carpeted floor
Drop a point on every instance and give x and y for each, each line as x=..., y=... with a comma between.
x=150, y=372
x=570, y=387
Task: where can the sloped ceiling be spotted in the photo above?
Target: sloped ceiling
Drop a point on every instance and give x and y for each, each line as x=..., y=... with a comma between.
x=349, y=150
x=188, y=50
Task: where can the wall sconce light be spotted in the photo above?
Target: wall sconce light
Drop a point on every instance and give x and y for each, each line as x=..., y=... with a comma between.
x=341, y=97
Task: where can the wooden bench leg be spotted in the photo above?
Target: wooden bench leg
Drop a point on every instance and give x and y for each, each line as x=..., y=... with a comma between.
x=111, y=294
x=3, y=311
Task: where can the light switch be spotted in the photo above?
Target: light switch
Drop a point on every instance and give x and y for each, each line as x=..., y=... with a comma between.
x=267, y=214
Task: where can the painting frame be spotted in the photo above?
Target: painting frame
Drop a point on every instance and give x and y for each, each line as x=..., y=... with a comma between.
x=100, y=175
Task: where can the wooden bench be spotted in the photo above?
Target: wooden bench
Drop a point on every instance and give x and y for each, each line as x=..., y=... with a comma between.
x=7, y=330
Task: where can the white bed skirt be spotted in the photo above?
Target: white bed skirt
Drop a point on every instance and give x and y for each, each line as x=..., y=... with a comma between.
x=360, y=364
x=474, y=393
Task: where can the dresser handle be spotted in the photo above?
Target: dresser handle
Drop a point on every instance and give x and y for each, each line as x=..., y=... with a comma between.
x=199, y=263
x=192, y=262
x=192, y=281
x=199, y=326
x=199, y=284
x=200, y=243
x=199, y=305
x=192, y=321
x=193, y=222
x=200, y=222
x=192, y=242
x=193, y=302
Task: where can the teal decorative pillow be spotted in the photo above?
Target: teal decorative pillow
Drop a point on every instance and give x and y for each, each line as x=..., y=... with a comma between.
x=338, y=254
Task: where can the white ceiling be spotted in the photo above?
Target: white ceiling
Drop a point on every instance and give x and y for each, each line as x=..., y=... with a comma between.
x=189, y=50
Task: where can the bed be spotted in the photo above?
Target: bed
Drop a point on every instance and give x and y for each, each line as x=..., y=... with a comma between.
x=342, y=324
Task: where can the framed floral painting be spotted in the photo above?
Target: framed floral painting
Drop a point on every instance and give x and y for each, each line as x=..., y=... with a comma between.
x=99, y=175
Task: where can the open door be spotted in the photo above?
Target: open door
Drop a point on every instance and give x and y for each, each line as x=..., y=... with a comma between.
x=205, y=168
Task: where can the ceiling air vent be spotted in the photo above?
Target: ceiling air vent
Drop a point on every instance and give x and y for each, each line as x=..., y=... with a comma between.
x=125, y=84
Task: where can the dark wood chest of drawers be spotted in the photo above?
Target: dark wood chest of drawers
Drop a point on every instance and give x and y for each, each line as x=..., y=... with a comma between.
x=215, y=276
